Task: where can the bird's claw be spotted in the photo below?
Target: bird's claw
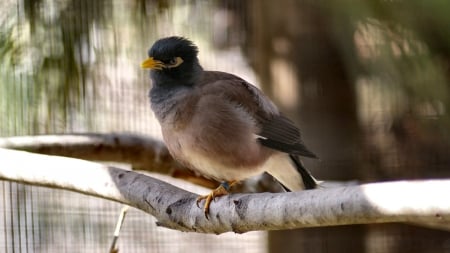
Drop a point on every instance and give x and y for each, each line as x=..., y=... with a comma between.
x=208, y=198
x=219, y=191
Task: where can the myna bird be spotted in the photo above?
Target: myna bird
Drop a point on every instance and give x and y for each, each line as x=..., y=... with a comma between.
x=219, y=125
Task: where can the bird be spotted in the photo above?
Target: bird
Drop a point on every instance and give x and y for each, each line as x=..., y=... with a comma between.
x=219, y=125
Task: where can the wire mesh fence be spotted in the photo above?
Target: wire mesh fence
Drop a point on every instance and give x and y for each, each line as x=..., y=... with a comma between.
x=39, y=219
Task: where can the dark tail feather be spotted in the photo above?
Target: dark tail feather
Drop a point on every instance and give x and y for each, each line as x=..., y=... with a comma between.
x=308, y=180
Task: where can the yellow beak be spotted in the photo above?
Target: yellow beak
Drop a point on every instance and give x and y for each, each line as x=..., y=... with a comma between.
x=151, y=63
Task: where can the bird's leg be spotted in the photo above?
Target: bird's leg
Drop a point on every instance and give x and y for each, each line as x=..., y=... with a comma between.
x=222, y=190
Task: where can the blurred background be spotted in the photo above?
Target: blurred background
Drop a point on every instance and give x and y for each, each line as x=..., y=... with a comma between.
x=366, y=81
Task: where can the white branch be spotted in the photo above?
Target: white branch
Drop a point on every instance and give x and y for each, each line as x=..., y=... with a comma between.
x=175, y=208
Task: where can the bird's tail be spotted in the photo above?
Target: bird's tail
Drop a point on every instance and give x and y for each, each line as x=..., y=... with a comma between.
x=308, y=180
x=290, y=172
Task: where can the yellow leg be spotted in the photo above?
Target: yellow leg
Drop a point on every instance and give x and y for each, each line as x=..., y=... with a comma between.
x=222, y=190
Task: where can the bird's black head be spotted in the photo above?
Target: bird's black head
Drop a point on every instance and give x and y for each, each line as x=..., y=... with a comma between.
x=173, y=62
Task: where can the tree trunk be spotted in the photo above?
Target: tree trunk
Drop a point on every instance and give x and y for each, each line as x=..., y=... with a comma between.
x=294, y=50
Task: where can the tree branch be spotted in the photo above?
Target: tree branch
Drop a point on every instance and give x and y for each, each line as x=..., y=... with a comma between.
x=175, y=208
x=142, y=152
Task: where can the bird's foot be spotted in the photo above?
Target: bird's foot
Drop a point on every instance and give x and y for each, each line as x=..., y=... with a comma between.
x=222, y=190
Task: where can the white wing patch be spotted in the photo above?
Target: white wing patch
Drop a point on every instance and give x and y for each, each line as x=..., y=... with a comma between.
x=281, y=167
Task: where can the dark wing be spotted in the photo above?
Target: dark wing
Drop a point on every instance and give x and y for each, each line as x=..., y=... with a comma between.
x=281, y=134
x=275, y=130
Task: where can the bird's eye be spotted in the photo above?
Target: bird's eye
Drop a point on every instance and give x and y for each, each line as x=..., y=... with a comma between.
x=174, y=62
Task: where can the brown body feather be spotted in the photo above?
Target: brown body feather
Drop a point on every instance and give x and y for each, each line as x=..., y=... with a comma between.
x=239, y=119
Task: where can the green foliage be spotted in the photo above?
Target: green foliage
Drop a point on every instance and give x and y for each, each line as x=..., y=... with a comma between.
x=405, y=46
